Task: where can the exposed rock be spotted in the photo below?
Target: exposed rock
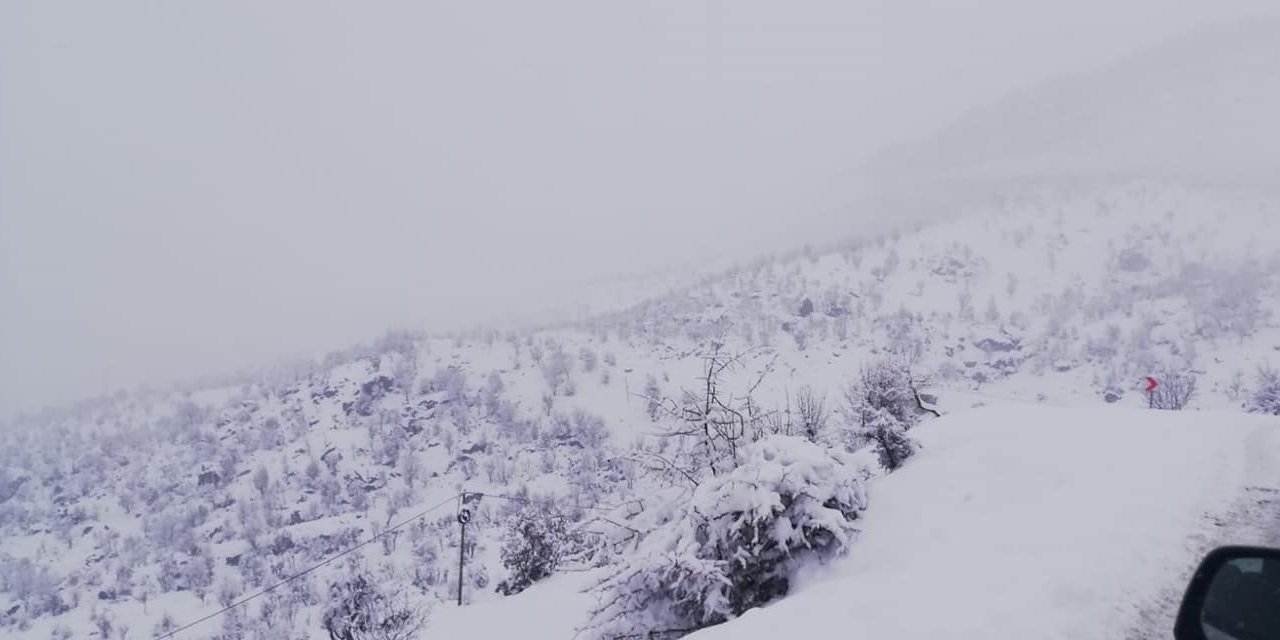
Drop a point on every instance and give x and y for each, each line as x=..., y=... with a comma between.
x=806, y=308
x=281, y=544
x=1132, y=260
x=992, y=344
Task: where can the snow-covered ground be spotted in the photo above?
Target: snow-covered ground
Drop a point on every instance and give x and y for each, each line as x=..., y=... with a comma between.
x=1062, y=297
x=1025, y=522
x=1015, y=521
x=1048, y=503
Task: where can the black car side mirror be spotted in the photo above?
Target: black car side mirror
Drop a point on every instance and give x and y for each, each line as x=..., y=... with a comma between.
x=1234, y=595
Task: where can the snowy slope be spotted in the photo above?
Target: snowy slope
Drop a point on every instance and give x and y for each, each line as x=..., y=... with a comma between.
x=1025, y=522
x=1016, y=521
x=1059, y=294
x=1086, y=233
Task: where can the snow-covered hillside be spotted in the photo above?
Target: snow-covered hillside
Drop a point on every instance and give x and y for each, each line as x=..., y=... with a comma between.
x=150, y=510
x=1019, y=521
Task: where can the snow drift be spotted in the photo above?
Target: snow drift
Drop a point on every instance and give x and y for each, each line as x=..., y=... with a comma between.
x=1031, y=522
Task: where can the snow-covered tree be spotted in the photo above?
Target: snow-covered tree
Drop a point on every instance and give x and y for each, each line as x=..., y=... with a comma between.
x=709, y=425
x=589, y=359
x=1174, y=392
x=359, y=610
x=653, y=398
x=811, y=411
x=735, y=543
x=881, y=406
x=410, y=465
x=532, y=547
x=557, y=369
x=892, y=444
x=491, y=395
x=1266, y=393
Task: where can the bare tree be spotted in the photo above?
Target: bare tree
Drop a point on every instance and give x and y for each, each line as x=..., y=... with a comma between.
x=653, y=396
x=711, y=423
x=261, y=480
x=410, y=467
x=1174, y=392
x=811, y=409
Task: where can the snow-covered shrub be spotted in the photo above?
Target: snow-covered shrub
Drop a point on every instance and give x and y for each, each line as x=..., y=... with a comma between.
x=165, y=625
x=1225, y=301
x=735, y=543
x=588, y=429
x=532, y=548
x=557, y=370
x=1174, y=391
x=589, y=359
x=1266, y=394
x=811, y=409
x=103, y=622
x=33, y=584
x=893, y=445
x=653, y=398
x=452, y=381
x=359, y=610
x=491, y=395
x=1132, y=259
x=10, y=484
x=881, y=406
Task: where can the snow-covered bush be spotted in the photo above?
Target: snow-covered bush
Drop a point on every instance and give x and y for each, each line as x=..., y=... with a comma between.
x=1266, y=394
x=811, y=409
x=532, y=548
x=653, y=398
x=1225, y=301
x=1175, y=390
x=881, y=406
x=359, y=610
x=888, y=435
x=30, y=583
x=735, y=543
x=557, y=370
x=589, y=359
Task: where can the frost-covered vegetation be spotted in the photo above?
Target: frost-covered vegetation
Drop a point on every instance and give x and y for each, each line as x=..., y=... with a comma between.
x=695, y=450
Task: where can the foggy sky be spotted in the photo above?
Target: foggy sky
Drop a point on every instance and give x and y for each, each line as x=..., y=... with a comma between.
x=189, y=188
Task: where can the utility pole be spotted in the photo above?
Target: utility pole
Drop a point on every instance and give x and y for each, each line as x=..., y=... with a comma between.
x=464, y=516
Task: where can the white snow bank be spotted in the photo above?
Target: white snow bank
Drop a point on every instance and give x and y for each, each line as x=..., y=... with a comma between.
x=552, y=610
x=1028, y=522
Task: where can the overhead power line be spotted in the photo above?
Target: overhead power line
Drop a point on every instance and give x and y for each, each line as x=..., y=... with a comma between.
x=324, y=563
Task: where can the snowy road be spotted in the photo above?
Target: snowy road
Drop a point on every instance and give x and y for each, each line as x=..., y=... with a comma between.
x=1254, y=518
x=1034, y=522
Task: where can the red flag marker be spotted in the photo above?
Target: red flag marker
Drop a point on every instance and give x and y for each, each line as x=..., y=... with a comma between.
x=1151, y=384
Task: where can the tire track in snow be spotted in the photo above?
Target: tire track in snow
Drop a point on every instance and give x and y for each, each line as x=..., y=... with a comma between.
x=1253, y=518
